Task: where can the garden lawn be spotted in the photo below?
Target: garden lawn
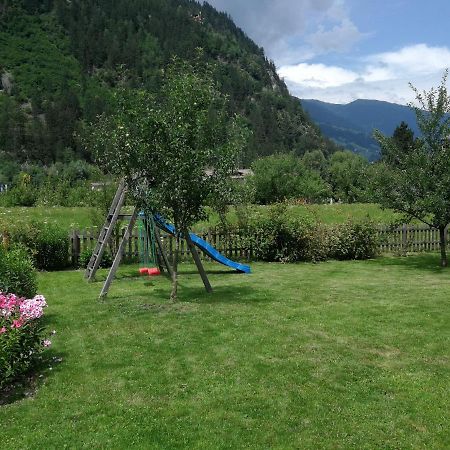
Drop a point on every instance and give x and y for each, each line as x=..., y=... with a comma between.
x=69, y=218
x=328, y=214
x=335, y=355
x=82, y=217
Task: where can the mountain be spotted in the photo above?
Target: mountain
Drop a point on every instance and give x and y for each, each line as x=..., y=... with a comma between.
x=60, y=61
x=351, y=126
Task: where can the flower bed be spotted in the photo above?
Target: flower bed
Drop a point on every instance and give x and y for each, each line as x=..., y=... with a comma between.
x=22, y=335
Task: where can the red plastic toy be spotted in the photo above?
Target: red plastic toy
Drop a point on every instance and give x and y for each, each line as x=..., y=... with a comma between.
x=151, y=272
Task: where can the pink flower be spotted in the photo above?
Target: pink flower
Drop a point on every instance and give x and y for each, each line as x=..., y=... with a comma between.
x=17, y=323
x=2, y=330
x=47, y=343
x=8, y=304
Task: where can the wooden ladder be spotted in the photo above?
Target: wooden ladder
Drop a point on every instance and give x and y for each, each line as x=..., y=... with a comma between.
x=105, y=234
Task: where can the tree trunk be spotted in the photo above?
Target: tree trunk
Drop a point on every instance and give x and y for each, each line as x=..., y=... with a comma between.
x=443, y=245
x=173, y=294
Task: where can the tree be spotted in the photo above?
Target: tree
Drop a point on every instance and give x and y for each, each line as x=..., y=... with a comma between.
x=284, y=176
x=416, y=180
x=315, y=160
x=175, y=151
x=404, y=139
x=347, y=176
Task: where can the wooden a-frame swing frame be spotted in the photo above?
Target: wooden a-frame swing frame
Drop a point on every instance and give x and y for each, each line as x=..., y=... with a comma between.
x=105, y=234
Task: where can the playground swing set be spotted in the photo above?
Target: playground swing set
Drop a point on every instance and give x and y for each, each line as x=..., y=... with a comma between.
x=147, y=247
x=153, y=258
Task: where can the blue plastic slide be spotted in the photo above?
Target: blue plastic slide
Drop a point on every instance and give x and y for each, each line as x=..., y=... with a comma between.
x=203, y=246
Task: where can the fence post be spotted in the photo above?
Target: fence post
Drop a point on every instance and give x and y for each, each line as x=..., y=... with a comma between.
x=75, y=244
x=404, y=239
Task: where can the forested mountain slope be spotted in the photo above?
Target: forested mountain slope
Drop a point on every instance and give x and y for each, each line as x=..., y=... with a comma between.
x=60, y=61
x=352, y=125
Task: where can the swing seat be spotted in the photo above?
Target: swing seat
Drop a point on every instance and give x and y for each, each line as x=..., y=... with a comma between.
x=144, y=270
x=154, y=271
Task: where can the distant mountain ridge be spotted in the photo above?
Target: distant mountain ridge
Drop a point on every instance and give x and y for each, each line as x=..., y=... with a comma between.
x=352, y=125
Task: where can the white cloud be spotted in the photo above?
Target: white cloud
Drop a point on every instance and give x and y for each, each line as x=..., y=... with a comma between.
x=294, y=30
x=382, y=76
x=317, y=75
x=339, y=38
x=414, y=59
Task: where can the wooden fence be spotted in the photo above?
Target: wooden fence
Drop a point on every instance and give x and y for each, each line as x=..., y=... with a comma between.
x=408, y=239
x=230, y=244
x=235, y=245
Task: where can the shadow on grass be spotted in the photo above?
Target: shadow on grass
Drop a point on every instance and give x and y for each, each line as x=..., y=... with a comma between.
x=158, y=298
x=187, y=269
x=210, y=272
x=222, y=294
x=424, y=261
x=27, y=385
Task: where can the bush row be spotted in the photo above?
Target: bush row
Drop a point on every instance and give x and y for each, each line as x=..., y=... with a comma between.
x=47, y=243
x=276, y=237
x=279, y=237
x=55, y=194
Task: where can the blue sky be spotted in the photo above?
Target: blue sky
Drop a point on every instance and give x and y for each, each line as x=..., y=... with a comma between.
x=342, y=50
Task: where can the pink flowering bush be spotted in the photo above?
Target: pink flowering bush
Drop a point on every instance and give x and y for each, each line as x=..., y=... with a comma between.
x=22, y=338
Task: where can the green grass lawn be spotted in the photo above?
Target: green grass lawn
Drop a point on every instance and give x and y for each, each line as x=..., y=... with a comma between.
x=82, y=218
x=70, y=218
x=329, y=214
x=335, y=355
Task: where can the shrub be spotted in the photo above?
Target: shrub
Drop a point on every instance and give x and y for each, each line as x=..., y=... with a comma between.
x=47, y=243
x=17, y=273
x=354, y=241
x=285, y=176
x=51, y=247
x=63, y=193
x=20, y=196
x=22, y=337
x=309, y=241
x=280, y=238
x=85, y=257
x=277, y=237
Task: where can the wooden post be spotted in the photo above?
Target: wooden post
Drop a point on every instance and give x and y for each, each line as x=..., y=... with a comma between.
x=162, y=253
x=198, y=263
x=404, y=243
x=119, y=254
x=75, y=247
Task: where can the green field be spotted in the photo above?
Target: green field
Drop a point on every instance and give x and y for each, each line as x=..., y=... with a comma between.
x=336, y=355
x=328, y=214
x=82, y=218
x=70, y=218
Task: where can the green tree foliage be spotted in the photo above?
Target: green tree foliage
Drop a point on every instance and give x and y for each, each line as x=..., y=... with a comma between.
x=285, y=176
x=413, y=177
x=42, y=104
x=174, y=152
x=347, y=176
x=315, y=160
x=404, y=138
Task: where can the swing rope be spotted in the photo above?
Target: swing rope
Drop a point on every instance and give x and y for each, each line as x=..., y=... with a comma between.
x=147, y=242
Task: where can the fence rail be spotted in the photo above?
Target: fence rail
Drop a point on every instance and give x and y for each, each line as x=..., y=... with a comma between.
x=404, y=239
x=230, y=244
